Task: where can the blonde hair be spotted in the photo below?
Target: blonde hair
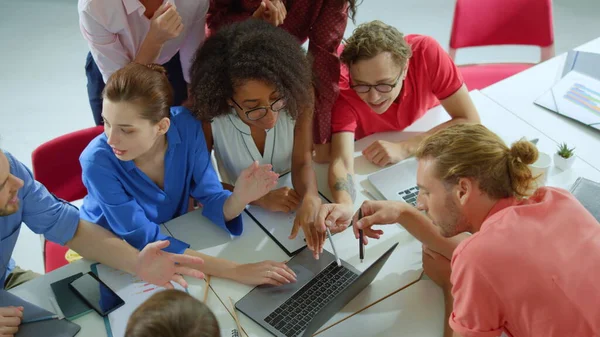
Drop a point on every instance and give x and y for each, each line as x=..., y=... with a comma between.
x=172, y=313
x=372, y=38
x=471, y=150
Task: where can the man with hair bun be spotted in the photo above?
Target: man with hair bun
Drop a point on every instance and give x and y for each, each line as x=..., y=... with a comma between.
x=528, y=269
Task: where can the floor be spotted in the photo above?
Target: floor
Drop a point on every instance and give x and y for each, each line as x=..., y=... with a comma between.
x=43, y=85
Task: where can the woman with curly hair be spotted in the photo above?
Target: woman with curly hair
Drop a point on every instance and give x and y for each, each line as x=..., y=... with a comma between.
x=321, y=22
x=252, y=86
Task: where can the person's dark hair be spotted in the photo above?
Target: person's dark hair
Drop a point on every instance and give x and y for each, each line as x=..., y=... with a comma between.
x=172, y=313
x=250, y=50
x=352, y=5
x=144, y=85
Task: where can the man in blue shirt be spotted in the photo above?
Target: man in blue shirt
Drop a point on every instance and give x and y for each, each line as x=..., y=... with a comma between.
x=24, y=200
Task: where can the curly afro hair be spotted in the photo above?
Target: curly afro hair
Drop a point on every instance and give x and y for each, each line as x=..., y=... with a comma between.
x=250, y=50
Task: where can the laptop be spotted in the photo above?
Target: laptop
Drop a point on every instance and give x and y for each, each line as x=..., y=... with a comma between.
x=322, y=289
x=398, y=182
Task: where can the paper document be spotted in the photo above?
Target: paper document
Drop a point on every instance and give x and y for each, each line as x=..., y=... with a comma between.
x=585, y=63
x=577, y=96
x=131, y=289
x=278, y=225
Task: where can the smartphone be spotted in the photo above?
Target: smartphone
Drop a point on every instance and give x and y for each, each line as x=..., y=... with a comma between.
x=96, y=294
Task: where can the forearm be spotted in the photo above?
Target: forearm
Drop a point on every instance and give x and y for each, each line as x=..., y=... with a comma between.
x=149, y=51
x=215, y=266
x=449, y=307
x=96, y=243
x=304, y=180
x=233, y=207
x=341, y=182
x=423, y=229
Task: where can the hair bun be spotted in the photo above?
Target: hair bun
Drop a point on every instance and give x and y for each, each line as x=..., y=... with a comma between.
x=525, y=151
x=157, y=67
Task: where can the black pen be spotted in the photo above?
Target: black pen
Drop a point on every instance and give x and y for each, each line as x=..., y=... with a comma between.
x=361, y=249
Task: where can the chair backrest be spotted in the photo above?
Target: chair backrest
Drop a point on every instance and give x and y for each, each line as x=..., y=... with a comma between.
x=56, y=163
x=502, y=22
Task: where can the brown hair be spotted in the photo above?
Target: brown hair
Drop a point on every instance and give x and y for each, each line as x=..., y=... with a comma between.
x=144, y=85
x=471, y=150
x=172, y=313
x=372, y=38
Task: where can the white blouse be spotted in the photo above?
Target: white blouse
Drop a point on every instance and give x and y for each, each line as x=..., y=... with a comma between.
x=235, y=149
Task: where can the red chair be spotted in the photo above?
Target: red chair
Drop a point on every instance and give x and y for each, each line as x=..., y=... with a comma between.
x=500, y=22
x=56, y=165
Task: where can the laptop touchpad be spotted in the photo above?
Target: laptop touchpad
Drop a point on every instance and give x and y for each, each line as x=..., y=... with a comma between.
x=303, y=276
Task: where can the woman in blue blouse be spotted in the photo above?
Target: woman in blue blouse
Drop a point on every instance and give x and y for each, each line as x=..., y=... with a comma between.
x=151, y=159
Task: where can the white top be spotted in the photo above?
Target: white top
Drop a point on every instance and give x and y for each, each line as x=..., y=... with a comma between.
x=235, y=149
x=115, y=30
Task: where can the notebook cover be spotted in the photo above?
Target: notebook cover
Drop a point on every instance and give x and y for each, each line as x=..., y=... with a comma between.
x=588, y=194
x=71, y=305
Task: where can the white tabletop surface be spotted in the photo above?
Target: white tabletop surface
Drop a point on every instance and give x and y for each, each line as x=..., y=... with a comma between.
x=517, y=94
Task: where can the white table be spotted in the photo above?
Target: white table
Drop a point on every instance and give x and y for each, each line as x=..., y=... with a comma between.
x=517, y=94
x=414, y=311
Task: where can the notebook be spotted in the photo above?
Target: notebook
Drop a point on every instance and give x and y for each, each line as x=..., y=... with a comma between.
x=71, y=305
x=278, y=225
x=48, y=328
x=588, y=194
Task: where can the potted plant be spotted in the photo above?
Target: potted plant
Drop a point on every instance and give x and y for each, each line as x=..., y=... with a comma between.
x=564, y=157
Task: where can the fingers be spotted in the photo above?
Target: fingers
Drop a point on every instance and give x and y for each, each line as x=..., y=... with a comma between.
x=322, y=215
x=168, y=285
x=186, y=259
x=10, y=321
x=158, y=245
x=161, y=10
x=8, y=331
x=381, y=159
x=295, y=229
x=260, y=11
x=189, y=272
x=294, y=196
x=282, y=9
x=179, y=279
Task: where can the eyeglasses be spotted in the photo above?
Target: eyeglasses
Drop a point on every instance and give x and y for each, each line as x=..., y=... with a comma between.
x=260, y=112
x=383, y=88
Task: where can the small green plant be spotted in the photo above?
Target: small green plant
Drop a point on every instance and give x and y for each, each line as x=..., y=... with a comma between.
x=564, y=151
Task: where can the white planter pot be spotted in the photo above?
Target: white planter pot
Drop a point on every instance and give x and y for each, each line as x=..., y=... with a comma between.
x=562, y=163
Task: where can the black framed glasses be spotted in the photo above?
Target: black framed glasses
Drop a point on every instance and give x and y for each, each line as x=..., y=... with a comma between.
x=261, y=111
x=383, y=88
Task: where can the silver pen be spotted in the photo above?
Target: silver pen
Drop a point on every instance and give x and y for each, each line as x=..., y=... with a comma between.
x=337, y=258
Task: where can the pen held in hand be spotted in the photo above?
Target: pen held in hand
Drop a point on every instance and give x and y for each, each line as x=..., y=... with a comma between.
x=361, y=248
x=337, y=258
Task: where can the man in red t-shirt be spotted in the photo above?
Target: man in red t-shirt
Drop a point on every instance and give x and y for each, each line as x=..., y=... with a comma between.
x=388, y=82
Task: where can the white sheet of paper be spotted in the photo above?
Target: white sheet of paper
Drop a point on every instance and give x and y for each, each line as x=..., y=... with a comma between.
x=280, y=224
x=132, y=290
x=577, y=96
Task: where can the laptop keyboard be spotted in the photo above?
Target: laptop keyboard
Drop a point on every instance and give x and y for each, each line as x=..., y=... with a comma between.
x=293, y=316
x=410, y=195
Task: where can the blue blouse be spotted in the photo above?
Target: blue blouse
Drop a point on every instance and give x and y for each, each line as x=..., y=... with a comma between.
x=126, y=201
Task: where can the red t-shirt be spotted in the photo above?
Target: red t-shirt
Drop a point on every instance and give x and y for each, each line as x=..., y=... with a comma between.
x=431, y=76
